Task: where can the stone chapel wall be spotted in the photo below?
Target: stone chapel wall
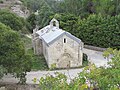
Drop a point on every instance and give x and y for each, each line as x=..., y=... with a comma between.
x=67, y=50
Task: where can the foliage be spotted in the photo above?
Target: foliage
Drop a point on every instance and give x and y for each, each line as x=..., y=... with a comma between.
x=12, y=53
x=95, y=30
x=33, y=5
x=32, y=20
x=1, y=1
x=27, y=42
x=59, y=82
x=107, y=53
x=43, y=18
x=85, y=60
x=54, y=5
x=13, y=21
x=80, y=8
x=53, y=66
x=54, y=83
x=83, y=8
x=68, y=22
x=100, y=31
x=107, y=7
x=38, y=62
x=2, y=71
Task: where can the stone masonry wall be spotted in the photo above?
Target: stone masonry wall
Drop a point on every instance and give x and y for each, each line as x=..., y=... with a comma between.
x=65, y=54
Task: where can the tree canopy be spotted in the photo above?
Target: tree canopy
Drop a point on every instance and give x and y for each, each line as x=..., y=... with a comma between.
x=13, y=21
x=12, y=53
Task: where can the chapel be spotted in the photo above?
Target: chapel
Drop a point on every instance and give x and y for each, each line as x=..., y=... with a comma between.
x=59, y=47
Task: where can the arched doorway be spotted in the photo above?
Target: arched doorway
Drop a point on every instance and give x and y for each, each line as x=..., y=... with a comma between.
x=64, y=60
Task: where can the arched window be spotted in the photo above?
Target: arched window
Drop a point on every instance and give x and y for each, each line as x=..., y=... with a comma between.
x=54, y=23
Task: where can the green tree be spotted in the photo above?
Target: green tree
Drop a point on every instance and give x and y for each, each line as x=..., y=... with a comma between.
x=32, y=20
x=100, y=31
x=2, y=71
x=12, y=53
x=44, y=15
x=106, y=7
x=75, y=7
x=68, y=22
x=54, y=5
x=13, y=21
x=33, y=5
x=117, y=7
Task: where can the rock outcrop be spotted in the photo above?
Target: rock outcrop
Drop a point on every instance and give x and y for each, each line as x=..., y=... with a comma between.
x=15, y=6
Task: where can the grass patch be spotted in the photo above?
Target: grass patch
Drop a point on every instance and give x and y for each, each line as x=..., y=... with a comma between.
x=38, y=62
x=27, y=42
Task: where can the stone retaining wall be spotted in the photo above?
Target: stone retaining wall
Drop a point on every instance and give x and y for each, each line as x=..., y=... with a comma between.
x=94, y=48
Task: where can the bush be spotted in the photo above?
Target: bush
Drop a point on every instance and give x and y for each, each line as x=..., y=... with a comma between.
x=68, y=22
x=2, y=71
x=85, y=59
x=32, y=20
x=100, y=31
x=1, y=1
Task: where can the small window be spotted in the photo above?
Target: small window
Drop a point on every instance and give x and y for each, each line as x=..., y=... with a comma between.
x=64, y=40
x=54, y=23
x=57, y=60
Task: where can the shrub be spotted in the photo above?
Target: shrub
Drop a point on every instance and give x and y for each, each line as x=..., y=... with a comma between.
x=32, y=20
x=1, y=1
x=85, y=59
x=100, y=31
